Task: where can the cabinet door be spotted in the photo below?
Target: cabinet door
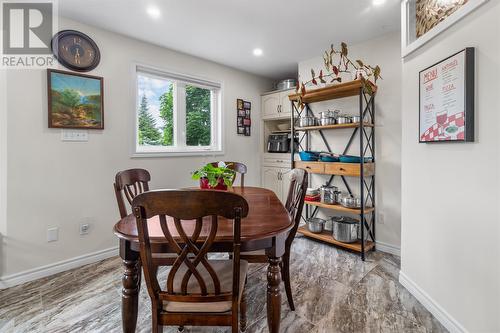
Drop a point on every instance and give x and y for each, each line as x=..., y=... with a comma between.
x=271, y=180
x=285, y=184
x=270, y=105
x=285, y=104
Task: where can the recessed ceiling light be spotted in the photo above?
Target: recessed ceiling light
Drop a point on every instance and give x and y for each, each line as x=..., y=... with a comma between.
x=378, y=2
x=257, y=52
x=153, y=11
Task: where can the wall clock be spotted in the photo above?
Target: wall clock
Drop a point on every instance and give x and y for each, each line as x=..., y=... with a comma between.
x=75, y=50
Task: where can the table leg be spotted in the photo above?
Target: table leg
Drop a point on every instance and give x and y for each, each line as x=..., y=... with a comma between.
x=131, y=284
x=273, y=294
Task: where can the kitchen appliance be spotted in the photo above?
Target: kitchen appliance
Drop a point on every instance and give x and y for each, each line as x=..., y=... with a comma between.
x=315, y=225
x=278, y=143
x=328, y=194
x=286, y=84
x=345, y=229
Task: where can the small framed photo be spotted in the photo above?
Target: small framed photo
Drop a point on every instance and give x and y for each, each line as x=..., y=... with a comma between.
x=240, y=121
x=241, y=113
x=247, y=131
x=247, y=105
x=247, y=113
x=246, y=122
x=239, y=104
x=241, y=130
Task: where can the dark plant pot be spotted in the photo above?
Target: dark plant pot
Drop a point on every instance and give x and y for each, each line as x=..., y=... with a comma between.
x=220, y=185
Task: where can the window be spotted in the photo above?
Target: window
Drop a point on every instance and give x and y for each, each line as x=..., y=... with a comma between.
x=176, y=114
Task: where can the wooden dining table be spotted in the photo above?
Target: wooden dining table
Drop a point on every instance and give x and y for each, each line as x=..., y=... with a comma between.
x=265, y=227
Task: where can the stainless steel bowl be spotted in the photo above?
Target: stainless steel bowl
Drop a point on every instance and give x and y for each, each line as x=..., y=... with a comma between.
x=345, y=229
x=350, y=202
x=315, y=225
x=327, y=121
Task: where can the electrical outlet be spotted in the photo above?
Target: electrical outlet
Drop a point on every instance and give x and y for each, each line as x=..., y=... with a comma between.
x=380, y=219
x=52, y=234
x=84, y=228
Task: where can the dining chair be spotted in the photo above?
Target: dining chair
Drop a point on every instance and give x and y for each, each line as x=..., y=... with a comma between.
x=238, y=167
x=198, y=291
x=130, y=183
x=294, y=205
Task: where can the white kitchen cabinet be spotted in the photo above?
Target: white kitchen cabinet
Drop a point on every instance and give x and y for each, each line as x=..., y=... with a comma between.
x=270, y=106
x=285, y=104
x=276, y=180
x=276, y=105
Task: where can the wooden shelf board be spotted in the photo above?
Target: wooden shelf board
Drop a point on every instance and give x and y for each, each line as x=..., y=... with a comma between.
x=336, y=168
x=327, y=237
x=339, y=207
x=337, y=126
x=347, y=89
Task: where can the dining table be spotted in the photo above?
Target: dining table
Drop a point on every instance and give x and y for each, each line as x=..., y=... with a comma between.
x=265, y=228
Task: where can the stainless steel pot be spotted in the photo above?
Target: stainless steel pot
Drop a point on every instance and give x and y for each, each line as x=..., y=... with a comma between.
x=327, y=121
x=315, y=225
x=350, y=202
x=326, y=114
x=328, y=194
x=345, y=229
x=356, y=119
x=307, y=121
x=286, y=84
x=344, y=120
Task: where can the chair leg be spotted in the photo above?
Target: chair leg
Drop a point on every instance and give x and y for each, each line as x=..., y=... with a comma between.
x=181, y=329
x=243, y=312
x=157, y=328
x=285, y=274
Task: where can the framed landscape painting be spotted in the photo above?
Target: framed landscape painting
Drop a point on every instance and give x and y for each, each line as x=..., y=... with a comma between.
x=75, y=100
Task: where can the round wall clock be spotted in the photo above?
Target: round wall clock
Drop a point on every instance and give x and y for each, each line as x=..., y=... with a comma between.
x=75, y=50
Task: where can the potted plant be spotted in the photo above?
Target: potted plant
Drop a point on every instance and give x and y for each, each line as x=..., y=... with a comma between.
x=218, y=177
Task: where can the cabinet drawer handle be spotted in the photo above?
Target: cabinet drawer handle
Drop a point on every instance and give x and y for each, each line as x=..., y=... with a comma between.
x=308, y=167
x=342, y=169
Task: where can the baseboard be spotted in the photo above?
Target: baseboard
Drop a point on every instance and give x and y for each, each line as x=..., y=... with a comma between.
x=431, y=305
x=61, y=266
x=388, y=248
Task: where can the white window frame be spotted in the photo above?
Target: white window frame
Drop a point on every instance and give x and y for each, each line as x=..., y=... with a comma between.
x=180, y=148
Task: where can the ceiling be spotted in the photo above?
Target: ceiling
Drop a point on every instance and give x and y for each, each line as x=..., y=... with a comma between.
x=226, y=31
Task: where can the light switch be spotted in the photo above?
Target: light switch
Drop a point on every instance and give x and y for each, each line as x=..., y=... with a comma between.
x=74, y=135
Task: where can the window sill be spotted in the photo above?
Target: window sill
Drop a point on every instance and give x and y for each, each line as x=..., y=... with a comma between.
x=176, y=153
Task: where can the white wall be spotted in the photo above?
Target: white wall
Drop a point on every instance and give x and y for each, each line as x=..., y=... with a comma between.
x=384, y=51
x=450, y=192
x=54, y=183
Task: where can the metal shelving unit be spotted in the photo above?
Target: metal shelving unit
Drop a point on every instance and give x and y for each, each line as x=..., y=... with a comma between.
x=364, y=171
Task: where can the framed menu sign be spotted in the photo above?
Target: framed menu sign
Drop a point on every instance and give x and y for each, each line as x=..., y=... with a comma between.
x=447, y=99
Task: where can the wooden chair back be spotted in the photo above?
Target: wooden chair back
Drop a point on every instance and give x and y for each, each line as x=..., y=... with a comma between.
x=238, y=167
x=130, y=183
x=295, y=199
x=204, y=207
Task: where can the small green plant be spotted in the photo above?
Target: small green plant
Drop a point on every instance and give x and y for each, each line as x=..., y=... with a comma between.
x=214, y=173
